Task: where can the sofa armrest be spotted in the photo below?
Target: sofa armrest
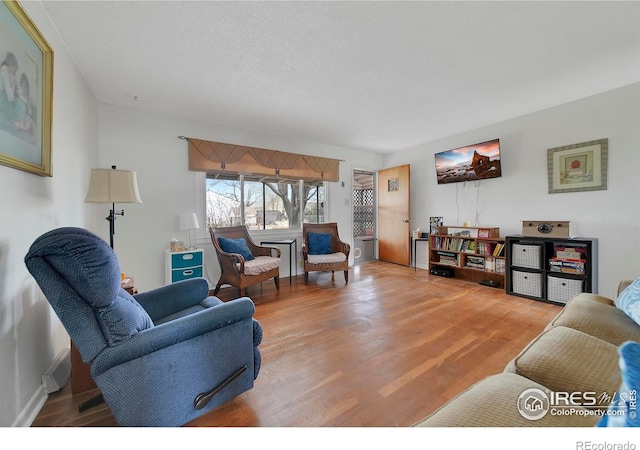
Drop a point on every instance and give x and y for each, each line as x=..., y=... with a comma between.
x=623, y=285
x=174, y=297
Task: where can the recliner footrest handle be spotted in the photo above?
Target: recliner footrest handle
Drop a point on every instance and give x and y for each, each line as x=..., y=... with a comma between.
x=204, y=398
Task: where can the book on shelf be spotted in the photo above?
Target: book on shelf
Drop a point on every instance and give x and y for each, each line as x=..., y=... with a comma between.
x=564, y=252
x=486, y=247
x=490, y=264
x=500, y=265
x=454, y=244
x=567, y=266
x=497, y=251
x=475, y=262
x=448, y=259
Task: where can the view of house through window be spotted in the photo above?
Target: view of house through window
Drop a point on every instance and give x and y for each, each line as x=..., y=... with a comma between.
x=262, y=203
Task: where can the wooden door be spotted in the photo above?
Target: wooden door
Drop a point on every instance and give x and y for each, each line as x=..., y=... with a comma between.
x=394, y=214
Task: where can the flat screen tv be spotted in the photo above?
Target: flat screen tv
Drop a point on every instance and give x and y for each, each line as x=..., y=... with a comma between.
x=473, y=162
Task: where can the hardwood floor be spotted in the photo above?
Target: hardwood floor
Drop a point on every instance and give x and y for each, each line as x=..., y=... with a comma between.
x=385, y=350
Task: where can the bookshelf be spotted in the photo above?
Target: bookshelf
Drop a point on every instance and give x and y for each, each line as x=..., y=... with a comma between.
x=551, y=269
x=474, y=253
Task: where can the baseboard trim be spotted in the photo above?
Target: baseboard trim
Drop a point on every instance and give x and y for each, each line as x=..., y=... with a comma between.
x=31, y=410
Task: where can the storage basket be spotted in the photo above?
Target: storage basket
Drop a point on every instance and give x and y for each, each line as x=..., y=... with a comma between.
x=527, y=283
x=561, y=290
x=526, y=256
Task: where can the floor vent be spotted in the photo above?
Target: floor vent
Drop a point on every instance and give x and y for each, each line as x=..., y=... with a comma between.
x=58, y=372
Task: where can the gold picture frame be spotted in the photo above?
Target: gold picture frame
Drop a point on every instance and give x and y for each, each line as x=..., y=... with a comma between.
x=578, y=167
x=26, y=92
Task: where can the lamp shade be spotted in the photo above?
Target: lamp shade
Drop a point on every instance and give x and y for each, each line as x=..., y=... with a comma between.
x=113, y=186
x=189, y=221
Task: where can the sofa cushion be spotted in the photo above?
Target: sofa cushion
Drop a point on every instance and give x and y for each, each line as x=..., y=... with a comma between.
x=567, y=360
x=261, y=264
x=493, y=402
x=629, y=301
x=319, y=243
x=591, y=314
x=238, y=245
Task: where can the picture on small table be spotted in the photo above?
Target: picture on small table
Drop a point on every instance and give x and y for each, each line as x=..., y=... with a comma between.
x=434, y=223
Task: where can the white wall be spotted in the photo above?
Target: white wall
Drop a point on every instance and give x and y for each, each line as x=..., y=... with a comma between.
x=30, y=333
x=148, y=143
x=611, y=215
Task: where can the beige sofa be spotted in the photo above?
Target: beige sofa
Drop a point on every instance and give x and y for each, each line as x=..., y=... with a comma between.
x=574, y=362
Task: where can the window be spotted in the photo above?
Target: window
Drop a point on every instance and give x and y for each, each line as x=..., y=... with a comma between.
x=262, y=203
x=314, y=203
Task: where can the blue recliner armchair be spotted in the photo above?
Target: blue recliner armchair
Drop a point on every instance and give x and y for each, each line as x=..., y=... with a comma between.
x=160, y=358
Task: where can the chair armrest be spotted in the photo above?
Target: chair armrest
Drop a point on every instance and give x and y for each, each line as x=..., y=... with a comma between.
x=169, y=299
x=231, y=262
x=272, y=249
x=305, y=251
x=341, y=246
x=263, y=250
x=171, y=333
x=346, y=248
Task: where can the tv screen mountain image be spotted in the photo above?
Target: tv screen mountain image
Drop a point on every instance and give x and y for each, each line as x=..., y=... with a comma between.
x=473, y=162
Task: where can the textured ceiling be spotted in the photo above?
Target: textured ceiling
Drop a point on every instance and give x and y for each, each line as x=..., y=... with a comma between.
x=377, y=76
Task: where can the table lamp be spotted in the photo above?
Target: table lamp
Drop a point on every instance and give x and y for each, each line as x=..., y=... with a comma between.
x=189, y=221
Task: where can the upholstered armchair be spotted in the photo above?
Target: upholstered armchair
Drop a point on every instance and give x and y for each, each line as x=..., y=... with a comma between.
x=159, y=358
x=242, y=262
x=322, y=250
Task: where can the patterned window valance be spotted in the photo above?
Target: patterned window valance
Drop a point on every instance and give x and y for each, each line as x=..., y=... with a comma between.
x=208, y=156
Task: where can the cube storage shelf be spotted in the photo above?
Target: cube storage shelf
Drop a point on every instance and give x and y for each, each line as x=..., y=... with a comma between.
x=473, y=253
x=551, y=269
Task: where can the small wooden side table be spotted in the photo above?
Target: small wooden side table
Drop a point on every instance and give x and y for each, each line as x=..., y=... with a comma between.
x=81, y=380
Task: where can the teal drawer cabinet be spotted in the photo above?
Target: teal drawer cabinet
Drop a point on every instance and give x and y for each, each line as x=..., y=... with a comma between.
x=183, y=265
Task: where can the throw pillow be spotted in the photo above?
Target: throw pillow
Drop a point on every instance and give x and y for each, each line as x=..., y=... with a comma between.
x=319, y=243
x=238, y=245
x=629, y=301
x=623, y=411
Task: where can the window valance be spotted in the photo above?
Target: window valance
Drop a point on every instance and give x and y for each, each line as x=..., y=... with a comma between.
x=209, y=156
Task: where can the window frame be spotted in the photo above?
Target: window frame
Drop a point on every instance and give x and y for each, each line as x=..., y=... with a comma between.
x=201, y=202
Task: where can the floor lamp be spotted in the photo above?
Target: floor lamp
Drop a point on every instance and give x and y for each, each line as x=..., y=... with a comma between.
x=113, y=186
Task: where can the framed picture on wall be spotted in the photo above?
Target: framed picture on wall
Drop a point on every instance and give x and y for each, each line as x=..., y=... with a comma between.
x=578, y=167
x=26, y=91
